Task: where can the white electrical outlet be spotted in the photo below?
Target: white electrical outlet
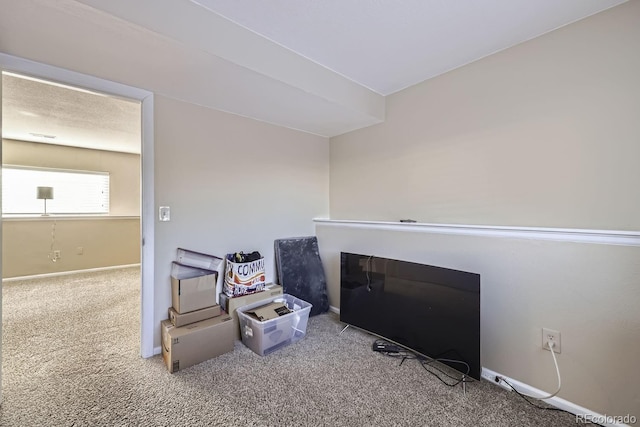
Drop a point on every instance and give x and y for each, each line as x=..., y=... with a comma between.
x=56, y=254
x=553, y=336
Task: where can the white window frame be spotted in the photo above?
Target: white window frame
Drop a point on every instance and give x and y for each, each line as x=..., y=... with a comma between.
x=25, y=202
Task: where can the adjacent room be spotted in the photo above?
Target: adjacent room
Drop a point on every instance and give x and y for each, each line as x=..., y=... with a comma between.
x=83, y=149
x=488, y=146
x=71, y=223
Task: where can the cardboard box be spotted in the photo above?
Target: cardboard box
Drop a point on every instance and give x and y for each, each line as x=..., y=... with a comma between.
x=204, y=261
x=264, y=337
x=243, y=278
x=269, y=311
x=192, y=288
x=230, y=305
x=192, y=344
x=178, y=319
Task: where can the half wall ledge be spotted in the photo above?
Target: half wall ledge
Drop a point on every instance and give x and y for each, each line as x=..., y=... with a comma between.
x=578, y=235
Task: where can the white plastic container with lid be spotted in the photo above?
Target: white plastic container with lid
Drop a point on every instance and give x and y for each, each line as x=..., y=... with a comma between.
x=265, y=337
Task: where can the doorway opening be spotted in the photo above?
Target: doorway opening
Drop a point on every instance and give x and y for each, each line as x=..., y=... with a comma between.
x=61, y=77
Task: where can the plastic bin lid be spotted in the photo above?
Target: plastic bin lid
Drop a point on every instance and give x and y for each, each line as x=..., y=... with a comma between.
x=181, y=271
x=198, y=259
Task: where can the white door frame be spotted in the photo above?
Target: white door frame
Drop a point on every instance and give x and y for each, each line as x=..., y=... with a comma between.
x=147, y=208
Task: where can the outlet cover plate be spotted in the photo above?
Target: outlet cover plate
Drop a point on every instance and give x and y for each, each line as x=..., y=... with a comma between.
x=555, y=336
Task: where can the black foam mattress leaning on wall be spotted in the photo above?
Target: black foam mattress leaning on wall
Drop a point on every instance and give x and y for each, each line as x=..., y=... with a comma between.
x=299, y=271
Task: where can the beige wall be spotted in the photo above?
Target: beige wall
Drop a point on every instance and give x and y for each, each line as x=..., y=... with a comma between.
x=544, y=134
x=105, y=242
x=233, y=184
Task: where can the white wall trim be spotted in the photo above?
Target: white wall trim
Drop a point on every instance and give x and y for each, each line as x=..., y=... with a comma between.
x=602, y=419
x=334, y=309
x=69, y=218
x=607, y=237
x=61, y=75
x=68, y=273
x=147, y=229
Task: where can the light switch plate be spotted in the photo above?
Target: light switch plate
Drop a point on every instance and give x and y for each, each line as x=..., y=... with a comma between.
x=164, y=213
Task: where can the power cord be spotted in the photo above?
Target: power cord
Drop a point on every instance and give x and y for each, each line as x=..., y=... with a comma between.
x=526, y=398
x=424, y=362
x=555, y=362
x=367, y=272
x=52, y=254
x=465, y=376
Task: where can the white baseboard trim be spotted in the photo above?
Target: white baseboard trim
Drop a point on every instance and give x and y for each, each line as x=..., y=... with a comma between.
x=67, y=273
x=586, y=414
x=334, y=309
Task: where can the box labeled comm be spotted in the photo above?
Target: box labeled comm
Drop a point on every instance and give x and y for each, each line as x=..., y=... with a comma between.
x=243, y=278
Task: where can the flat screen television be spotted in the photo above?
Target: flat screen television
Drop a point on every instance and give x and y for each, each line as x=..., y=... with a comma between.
x=432, y=311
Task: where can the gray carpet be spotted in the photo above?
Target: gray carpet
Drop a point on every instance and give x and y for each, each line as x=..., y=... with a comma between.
x=71, y=358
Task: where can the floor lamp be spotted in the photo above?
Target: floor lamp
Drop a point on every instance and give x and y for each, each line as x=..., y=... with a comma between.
x=45, y=193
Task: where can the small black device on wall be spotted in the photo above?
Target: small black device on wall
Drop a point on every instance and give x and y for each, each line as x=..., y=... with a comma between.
x=432, y=311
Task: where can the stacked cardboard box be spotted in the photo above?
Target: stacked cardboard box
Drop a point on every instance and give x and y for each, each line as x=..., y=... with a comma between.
x=196, y=329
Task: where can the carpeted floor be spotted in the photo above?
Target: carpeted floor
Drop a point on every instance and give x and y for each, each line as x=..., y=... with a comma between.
x=71, y=358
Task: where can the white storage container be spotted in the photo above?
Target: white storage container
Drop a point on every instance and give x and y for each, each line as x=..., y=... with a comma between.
x=265, y=337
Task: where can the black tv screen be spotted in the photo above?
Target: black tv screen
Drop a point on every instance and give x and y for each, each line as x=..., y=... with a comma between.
x=429, y=310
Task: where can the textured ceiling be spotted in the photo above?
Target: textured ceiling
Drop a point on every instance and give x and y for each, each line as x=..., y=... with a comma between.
x=58, y=114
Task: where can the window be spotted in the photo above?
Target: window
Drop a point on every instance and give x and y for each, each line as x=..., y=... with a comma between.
x=74, y=192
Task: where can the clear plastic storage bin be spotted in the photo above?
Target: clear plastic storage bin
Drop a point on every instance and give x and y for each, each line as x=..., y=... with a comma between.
x=266, y=337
